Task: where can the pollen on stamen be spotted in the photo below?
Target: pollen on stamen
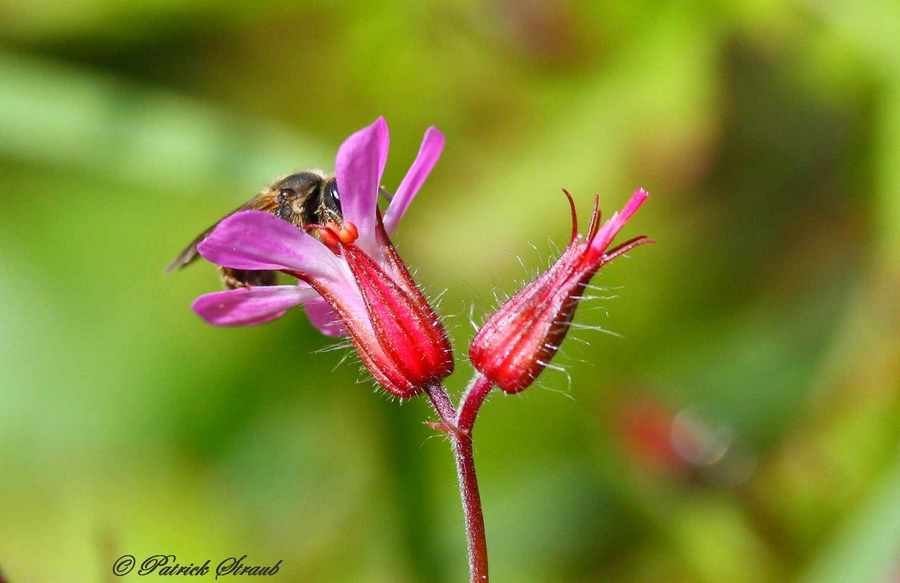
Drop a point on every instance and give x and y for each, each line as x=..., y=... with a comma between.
x=327, y=234
x=330, y=239
x=348, y=233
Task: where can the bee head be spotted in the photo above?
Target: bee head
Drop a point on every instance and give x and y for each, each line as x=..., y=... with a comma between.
x=294, y=194
x=329, y=207
x=293, y=190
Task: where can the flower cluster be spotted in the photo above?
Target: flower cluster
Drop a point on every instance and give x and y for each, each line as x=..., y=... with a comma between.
x=352, y=282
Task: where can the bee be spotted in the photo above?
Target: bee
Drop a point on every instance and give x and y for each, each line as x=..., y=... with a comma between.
x=305, y=198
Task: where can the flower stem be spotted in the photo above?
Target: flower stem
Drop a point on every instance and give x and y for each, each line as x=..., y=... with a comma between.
x=471, y=402
x=471, y=502
x=442, y=405
x=458, y=425
x=469, y=405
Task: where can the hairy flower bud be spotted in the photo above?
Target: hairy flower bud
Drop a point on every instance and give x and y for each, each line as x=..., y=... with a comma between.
x=412, y=350
x=520, y=339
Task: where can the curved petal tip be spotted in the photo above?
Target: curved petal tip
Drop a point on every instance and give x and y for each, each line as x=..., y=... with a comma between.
x=429, y=154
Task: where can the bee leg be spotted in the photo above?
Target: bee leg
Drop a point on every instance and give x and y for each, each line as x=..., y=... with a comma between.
x=237, y=278
x=231, y=278
x=260, y=278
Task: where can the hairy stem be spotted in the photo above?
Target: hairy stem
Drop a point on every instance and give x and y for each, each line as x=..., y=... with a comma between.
x=471, y=402
x=468, y=482
x=471, y=503
x=458, y=425
x=442, y=405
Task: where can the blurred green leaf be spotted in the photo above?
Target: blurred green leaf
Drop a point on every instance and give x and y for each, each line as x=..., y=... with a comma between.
x=58, y=115
x=867, y=546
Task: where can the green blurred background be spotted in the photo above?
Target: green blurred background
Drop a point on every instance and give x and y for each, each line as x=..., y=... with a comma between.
x=744, y=426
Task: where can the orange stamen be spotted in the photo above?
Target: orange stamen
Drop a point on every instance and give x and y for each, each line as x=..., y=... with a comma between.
x=330, y=239
x=348, y=233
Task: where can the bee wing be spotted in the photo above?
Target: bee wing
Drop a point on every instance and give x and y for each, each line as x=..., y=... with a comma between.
x=264, y=201
x=189, y=254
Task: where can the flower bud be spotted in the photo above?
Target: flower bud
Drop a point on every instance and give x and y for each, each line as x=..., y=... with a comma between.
x=521, y=338
x=408, y=349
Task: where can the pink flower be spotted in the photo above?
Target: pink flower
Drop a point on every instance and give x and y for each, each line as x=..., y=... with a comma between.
x=519, y=339
x=353, y=281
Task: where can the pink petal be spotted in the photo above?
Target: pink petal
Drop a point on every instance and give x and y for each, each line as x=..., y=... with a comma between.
x=429, y=153
x=248, y=306
x=322, y=316
x=358, y=168
x=611, y=228
x=260, y=241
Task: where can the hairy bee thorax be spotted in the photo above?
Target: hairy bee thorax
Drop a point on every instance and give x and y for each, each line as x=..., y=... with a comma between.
x=300, y=199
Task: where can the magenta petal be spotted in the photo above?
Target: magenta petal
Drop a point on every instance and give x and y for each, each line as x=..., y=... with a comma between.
x=248, y=306
x=429, y=153
x=358, y=168
x=322, y=316
x=611, y=228
x=260, y=241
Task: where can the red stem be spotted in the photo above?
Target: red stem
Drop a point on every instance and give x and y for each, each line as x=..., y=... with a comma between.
x=442, y=404
x=471, y=401
x=459, y=427
x=468, y=482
